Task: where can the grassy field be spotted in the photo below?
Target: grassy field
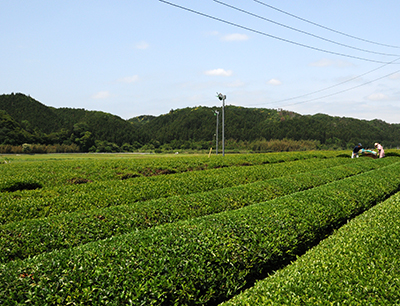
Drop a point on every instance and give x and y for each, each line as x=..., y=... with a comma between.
x=147, y=229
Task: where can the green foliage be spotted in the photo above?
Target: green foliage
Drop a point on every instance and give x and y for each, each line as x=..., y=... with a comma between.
x=40, y=148
x=262, y=125
x=66, y=126
x=358, y=265
x=188, y=129
x=11, y=132
x=40, y=235
x=107, y=188
x=26, y=148
x=284, y=145
x=201, y=260
x=31, y=113
x=102, y=126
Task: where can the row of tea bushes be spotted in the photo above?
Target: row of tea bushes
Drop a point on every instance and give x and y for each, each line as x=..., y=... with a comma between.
x=31, y=237
x=358, y=265
x=197, y=261
x=95, y=167
x=31, y=204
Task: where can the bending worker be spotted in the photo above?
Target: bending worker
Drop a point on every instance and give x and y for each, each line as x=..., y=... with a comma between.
x=381, y=152
x=355, y=150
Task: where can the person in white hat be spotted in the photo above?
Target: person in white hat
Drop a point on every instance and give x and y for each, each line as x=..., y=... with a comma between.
x=381, y=152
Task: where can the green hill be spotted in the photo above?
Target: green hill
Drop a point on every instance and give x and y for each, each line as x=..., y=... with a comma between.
x=25, y=120
x=30, y=113
x=251, y=124
x=63, y=125
x=101, y=125
x=11, y=132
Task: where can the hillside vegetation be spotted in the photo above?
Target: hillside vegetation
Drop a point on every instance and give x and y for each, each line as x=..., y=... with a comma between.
x=23, y=120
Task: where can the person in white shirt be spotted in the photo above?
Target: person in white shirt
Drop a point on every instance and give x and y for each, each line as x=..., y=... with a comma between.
x=381, y=152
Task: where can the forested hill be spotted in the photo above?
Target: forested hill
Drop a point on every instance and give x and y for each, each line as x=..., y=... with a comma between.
x=35, y=122
x=251, y=124
x=31, y=113
x=25, y=120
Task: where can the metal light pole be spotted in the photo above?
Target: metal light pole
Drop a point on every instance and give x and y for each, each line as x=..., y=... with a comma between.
x=216, y=135
x=222, y=98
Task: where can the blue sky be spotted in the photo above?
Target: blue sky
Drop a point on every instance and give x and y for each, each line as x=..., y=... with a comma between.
x=146, y=57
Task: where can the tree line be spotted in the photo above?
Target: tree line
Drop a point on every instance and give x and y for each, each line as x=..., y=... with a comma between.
x=25, y=121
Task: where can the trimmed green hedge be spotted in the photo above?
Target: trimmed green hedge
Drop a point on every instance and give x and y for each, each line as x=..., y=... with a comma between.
x=32, y=237
x=358, y=265
x=31, y=204
x=198, y=261
x=58, y=170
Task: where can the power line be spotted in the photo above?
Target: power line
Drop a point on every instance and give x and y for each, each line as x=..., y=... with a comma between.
x=330, y=87
x=345, y=90
x=271, y=36
x=323, y=27
x=301, y=31
x=299, y=44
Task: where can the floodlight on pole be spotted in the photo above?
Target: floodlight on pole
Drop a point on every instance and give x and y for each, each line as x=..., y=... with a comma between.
x=216, y=113
x=222, y=98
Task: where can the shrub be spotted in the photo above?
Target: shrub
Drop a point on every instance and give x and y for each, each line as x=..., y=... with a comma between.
x=358, y=265
x=201, y=260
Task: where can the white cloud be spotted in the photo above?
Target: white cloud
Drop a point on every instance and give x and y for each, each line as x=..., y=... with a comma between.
x=377, y=97
x=235, y=37
x=129, y=80
x=274, y=82
x=219, y=72
x=330, y=63
x=101, y=95
x=142, y=45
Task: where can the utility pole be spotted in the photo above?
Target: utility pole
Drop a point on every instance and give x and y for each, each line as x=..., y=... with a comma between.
x=222, y=98
x=216, y=135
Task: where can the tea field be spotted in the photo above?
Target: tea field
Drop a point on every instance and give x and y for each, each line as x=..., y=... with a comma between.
x=291, y=228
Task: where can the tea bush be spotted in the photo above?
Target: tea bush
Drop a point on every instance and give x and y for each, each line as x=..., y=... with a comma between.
x=22, y=205
x=197, y=261
x=31, y=237
x=358, y=265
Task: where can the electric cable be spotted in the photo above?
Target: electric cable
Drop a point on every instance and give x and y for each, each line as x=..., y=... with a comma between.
x=269, y=35
x=303, y=45
x=345, y=90
x=324, y=27
x=330, y=87
x=301, y=31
